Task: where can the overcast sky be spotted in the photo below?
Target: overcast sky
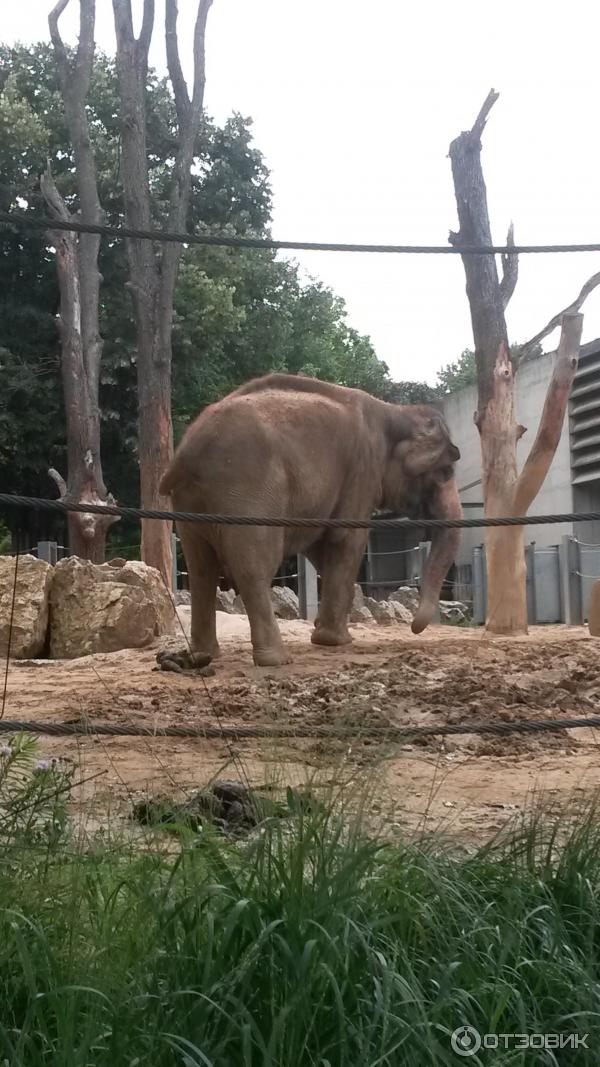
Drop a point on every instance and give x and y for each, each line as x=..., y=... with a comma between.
x=354, y=106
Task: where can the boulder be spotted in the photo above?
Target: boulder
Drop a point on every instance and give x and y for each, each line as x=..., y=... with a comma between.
x=183, y=597
x=453, y=611
x=359, y=612
x=103, y=608
x=381, y=610
x=225, y=600
x=406, y=595
x=402, y=613
x=30, y=615
x=285, y=602
x=238, y=607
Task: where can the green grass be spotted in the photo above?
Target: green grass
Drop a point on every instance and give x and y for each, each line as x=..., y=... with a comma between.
x=307, y=944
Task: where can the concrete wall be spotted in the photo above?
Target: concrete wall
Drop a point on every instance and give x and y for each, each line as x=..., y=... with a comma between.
x=556, y=494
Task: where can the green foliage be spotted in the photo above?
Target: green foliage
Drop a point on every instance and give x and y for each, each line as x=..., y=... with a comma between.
x=456, y=376
x=306, y=943
x=238, y=313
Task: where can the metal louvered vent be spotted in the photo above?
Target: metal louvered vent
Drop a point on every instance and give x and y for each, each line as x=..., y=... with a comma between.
x=585, y=417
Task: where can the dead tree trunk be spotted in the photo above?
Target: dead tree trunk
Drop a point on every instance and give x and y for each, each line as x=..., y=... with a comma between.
x=505, y=490
x=153, y=271
x=79, y=284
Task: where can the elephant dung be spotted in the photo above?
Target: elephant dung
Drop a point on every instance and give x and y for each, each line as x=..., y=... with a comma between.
x=103, y=608
x=31, y=602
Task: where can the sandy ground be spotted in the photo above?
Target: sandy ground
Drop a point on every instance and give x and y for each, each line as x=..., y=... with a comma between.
x=468, y=786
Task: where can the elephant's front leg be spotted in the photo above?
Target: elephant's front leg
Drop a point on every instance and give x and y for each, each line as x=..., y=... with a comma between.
x=339, y=570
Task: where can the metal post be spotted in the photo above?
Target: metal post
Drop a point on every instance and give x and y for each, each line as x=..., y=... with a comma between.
x=48, y=551
x=479, y=585
x=530, y=583
x=369, y=565
x=308, y=590
x=174, y=541
x=570, y=580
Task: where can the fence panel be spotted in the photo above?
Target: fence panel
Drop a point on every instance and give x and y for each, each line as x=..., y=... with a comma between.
x=547, y=585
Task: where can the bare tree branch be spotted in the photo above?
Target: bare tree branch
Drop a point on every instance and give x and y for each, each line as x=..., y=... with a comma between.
x=58, y=478
x=85, y=47
x=200, y=55
x=510, y=269
x=57, y=41
x=529, y=347
x=145, y=37
x=479, y=124
x=182, y=100
x=547, y=437
x=124, y=21
x=54, y=200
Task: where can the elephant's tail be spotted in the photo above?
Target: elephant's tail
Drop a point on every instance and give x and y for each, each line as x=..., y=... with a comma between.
x=169, y=479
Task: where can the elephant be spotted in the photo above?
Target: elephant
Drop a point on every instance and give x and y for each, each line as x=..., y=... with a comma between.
x=288, y=446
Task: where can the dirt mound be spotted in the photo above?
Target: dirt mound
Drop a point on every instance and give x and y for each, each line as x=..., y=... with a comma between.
x=387, y=678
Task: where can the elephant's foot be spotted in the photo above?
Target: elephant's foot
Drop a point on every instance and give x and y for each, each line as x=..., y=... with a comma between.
x=203, y=648
x=323, y=635
x=271, y=657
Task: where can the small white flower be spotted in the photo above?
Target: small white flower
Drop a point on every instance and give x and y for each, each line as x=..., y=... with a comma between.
x=6, y=750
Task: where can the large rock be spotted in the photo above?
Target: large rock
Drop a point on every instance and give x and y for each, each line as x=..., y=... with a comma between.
x=361, y=614
x=30, y=615
x=225, y=600
x=402, y=613
x=238, y=607
x=359, y=611
x=102, y=608
x=453, y=611
x=407, y=596
x=285, y=602
x=381, y=610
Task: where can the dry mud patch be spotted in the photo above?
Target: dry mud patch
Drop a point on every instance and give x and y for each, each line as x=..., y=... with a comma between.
x=466, y=785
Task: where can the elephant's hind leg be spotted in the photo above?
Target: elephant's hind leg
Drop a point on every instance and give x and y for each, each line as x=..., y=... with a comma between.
x=254, y=560
x=340, y=564
x=203, y=574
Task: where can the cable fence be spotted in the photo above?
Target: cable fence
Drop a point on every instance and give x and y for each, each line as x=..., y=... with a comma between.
x=21, y=220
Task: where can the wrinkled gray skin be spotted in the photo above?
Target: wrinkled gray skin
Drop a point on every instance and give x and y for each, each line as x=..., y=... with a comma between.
x=297, y=447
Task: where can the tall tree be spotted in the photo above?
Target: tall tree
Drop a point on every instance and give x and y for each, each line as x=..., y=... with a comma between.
x=506, y=490
x=79, y=285
x=153, y=271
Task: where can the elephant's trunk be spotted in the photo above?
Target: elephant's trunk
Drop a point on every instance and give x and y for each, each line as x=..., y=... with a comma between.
x=444, y=546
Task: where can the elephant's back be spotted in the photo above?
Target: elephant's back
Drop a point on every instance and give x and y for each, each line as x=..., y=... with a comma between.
x=278, y=437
